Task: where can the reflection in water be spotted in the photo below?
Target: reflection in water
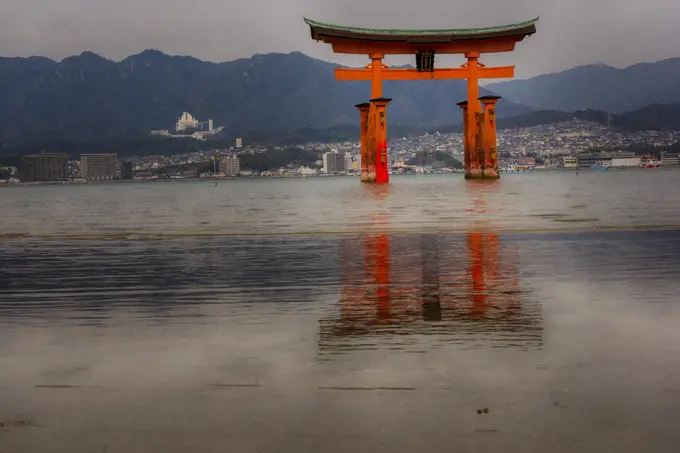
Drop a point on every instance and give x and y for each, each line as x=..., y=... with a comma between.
x=432, y=308
x=463, y=289
x=483, y=196
x=466, y=292
x=86, y=282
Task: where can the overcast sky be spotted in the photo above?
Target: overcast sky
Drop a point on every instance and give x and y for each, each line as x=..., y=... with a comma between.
x=570, y=32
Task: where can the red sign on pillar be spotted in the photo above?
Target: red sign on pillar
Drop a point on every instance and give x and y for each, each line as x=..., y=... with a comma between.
x=381, y=164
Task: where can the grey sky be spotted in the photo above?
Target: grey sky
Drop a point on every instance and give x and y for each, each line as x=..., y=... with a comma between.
x=570, y=32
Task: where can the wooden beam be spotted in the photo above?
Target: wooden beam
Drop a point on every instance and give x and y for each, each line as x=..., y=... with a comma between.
x=351, y=74
x=354, y=46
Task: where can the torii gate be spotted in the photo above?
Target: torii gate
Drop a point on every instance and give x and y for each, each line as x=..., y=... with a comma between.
x=481, y=160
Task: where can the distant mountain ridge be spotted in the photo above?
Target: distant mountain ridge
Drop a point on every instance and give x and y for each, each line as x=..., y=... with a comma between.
x=599, y=87
x=88, y=98
x=90, y=102
x=652, y=117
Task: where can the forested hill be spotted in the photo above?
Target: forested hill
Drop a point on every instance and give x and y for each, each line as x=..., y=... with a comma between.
x=90, y=99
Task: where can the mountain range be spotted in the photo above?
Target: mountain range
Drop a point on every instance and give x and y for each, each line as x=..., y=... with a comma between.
x=599, y=87
x=286, y=98
x=88, y=98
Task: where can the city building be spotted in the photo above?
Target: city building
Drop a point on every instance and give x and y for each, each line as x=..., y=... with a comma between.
x=98, y=166
x=526, y=161
x=9, y=170
x=335, y=162
x=44, y=167
x=668, y=158
x=127, y=170
x=613, y=159
x=230, y=166
x=586, y=160
x=625, y=162
x=556, y=144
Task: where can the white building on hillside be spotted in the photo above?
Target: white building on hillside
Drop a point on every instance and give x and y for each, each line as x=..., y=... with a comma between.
x=186, y=121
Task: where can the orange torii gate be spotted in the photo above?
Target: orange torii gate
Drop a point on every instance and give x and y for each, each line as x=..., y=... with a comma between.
x=481, y=160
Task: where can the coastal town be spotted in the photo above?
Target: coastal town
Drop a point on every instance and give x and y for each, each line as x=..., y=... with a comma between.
x=572, y=144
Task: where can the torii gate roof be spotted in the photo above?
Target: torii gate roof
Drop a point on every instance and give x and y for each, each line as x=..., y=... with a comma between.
x=446, y=40
x=321, y=30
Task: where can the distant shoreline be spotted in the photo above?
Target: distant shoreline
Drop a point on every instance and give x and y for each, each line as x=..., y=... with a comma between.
x=237, y=178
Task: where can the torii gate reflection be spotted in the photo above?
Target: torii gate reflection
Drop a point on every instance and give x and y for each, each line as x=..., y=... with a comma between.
x=489, y=274
x=376, y=258
x=404, y=282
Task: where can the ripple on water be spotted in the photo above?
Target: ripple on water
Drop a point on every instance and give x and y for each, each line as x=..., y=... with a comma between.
x=338, y=205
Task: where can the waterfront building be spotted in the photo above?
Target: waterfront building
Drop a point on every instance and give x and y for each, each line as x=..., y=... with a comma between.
x=335, y=162
x=230, y=166
x=348, y=162
x=98, y=166
x=10, y=170
x=570, y=161
x=669, y=159
x=127, y=170
x=625, y=162
x=44, y=167
x=586, y=160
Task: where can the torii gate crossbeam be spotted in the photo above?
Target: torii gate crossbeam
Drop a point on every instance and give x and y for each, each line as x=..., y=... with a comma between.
x=351, y=74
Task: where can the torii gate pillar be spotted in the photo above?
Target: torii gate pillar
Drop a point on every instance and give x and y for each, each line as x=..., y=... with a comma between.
x=367, y=160
x=490, y=168
x=466, y=137
x=479, y=142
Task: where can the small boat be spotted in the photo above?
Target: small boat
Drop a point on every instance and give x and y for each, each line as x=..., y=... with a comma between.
x=600, y=166
x=649, y=162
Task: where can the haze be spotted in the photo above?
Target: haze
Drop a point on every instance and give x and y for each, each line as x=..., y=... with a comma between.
x=570, y=33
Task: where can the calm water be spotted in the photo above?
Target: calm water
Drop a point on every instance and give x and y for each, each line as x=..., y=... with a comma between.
x=326, y=315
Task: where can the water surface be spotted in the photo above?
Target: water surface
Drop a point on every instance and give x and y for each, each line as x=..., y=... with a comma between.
x=538, y=313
